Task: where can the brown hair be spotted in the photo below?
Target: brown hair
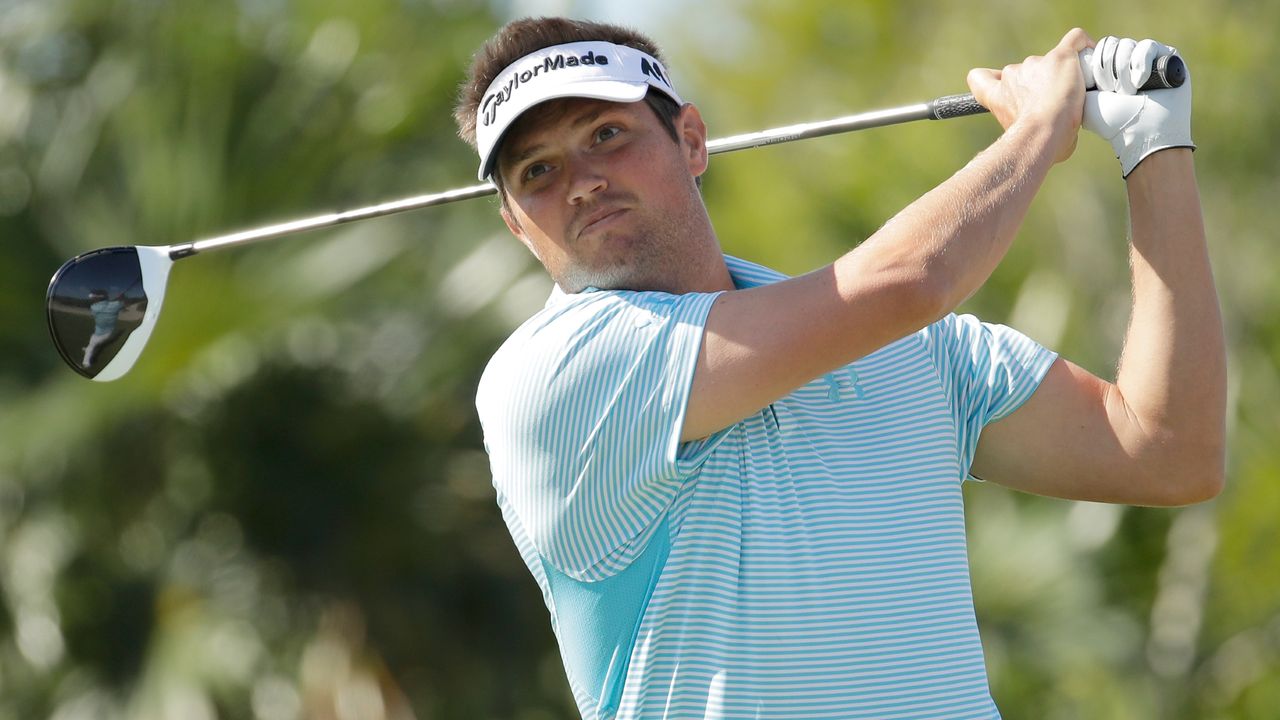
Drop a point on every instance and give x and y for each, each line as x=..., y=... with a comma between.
x=521, y=37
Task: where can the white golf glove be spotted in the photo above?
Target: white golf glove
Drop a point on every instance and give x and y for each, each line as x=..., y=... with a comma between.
x=1136, y=123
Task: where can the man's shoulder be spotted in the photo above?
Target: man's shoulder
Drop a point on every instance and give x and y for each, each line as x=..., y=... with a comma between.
x=587, y=336
x=550, y=334
x=570, y=320
x=563, y=316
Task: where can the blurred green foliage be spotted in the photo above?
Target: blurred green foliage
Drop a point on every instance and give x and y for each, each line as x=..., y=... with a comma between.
x=284, y=510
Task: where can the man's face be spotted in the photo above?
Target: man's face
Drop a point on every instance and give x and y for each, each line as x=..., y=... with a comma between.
x=604, y=197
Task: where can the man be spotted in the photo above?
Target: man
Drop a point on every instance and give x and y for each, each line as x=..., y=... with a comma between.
x=105, y=314
x=740, y=493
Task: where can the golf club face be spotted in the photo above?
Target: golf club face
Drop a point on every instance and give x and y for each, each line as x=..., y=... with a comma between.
x=103, y=305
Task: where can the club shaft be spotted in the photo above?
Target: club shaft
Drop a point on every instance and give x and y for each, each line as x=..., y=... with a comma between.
x=268, y=232
x=804, y=131
x=776, y=136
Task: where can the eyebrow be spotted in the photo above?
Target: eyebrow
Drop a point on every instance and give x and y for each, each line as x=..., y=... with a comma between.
x=583, y=119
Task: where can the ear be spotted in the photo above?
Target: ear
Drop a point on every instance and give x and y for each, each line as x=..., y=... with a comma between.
x=693, y=138
x=516, y=229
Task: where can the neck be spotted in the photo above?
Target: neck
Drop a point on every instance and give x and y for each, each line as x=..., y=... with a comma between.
x=705, y=269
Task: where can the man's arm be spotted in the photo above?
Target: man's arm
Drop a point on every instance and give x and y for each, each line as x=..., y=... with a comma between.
x=1157, y=435
x=762, y=343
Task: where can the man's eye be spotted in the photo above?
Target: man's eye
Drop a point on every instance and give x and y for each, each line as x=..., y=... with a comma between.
x=606, y=132
x=534, y=170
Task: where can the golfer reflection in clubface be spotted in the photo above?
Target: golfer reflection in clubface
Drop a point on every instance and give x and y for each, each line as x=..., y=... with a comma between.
x=106, y=312
x=740, y=492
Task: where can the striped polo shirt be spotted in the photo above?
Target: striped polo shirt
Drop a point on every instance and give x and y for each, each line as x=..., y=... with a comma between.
x=807, y=562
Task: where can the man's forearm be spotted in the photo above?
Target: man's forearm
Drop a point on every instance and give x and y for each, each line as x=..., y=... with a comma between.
x=1172, y=373
x=951, y=239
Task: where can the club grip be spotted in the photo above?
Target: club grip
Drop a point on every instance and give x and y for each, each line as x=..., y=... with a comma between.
x=950, y=106
x=1168, y=71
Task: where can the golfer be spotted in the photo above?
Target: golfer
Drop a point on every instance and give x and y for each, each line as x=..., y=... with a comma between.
x=105, y=314
x=740, y=492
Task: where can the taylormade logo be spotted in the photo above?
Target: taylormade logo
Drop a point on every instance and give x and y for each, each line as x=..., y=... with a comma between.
x=489, y=107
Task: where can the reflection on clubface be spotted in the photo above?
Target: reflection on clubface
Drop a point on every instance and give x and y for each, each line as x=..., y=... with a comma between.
x=102, y=306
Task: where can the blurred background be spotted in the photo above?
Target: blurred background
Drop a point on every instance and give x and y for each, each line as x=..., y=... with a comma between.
x=284, y=510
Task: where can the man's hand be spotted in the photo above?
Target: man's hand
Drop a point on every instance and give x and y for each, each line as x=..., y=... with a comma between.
x=1136, y=124
x=1048, y=90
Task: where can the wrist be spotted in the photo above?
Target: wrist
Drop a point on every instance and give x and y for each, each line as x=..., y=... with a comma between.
x=1155, y=168
x=1046, y=136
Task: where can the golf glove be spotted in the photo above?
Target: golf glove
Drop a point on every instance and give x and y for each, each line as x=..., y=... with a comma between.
x=1136, y=123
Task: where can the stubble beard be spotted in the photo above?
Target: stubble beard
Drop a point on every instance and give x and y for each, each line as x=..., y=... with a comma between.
x=642, y=266
x=660, y=256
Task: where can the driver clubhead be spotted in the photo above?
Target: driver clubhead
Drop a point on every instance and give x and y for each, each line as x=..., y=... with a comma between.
x=103, y=305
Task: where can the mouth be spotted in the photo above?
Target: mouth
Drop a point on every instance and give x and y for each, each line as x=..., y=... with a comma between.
x=601, y=219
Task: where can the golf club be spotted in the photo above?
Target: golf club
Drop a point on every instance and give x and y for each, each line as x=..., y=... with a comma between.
x=102, y=338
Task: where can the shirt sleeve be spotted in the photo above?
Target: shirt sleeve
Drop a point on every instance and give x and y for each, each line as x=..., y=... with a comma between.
x=582, y=411
x=987, y=371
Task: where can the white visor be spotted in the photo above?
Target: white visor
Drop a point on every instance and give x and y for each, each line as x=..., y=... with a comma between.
x=598, y=70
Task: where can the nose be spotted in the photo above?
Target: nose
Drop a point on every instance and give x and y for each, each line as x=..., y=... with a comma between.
x=586, y=178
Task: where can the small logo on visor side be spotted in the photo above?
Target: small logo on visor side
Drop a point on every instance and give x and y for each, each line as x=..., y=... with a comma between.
x=654, y=70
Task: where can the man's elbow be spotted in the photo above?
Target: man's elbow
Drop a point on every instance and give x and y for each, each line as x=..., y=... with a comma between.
x=1204, y=486
x=928, y=299
x=1195, y=475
